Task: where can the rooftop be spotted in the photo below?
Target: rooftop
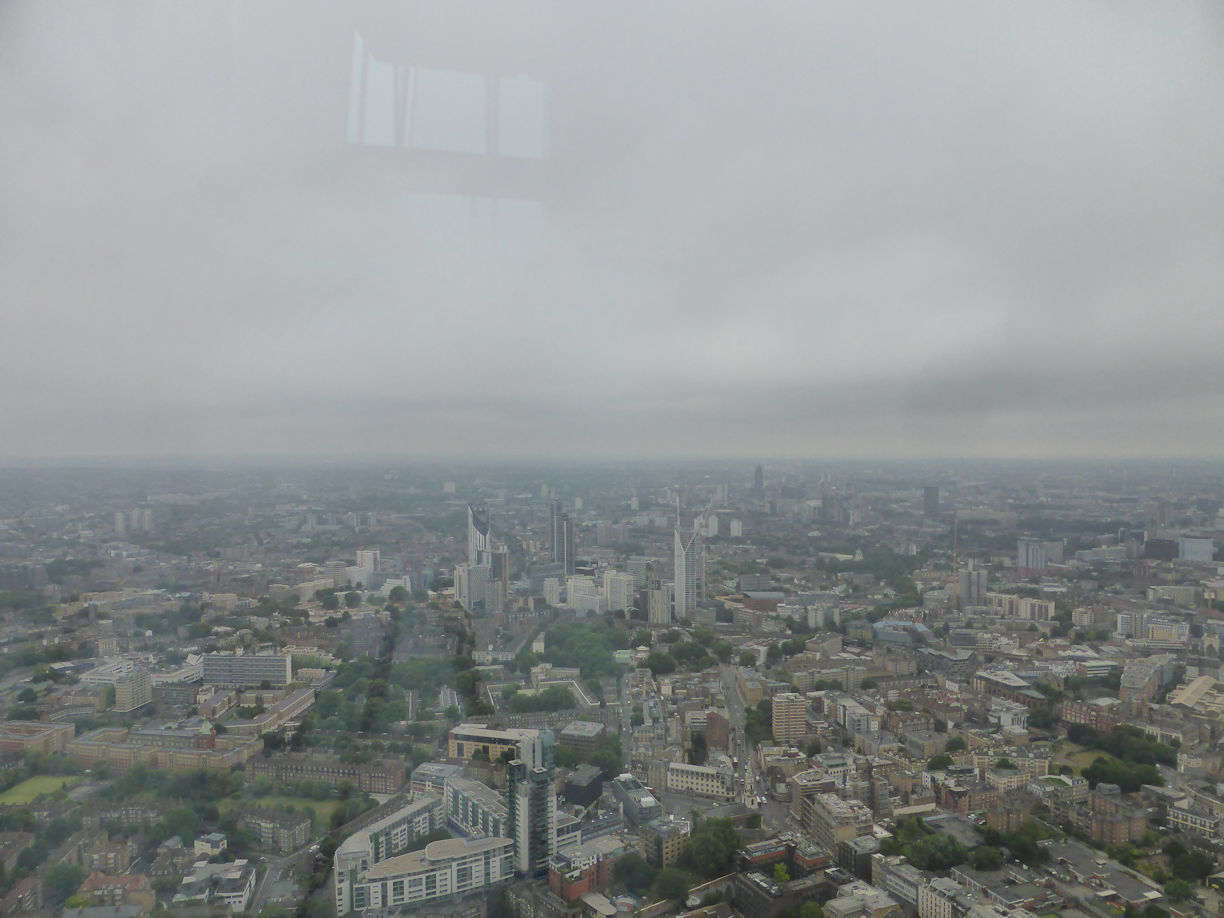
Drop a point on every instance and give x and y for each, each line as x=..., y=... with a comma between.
x=435, y=852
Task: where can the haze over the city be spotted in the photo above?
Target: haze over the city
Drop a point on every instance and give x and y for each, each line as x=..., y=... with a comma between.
x=938, y=229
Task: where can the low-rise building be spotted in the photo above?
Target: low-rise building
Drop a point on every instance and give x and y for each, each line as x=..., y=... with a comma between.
x=443, y=868
x=582, y=737
x=702, y=780
x=584, y=868
x=279, y=830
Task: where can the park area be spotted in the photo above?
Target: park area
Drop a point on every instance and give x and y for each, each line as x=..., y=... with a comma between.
x=25, y=793
x=321, y=810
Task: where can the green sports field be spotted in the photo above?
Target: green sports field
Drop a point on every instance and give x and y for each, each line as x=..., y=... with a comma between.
x=27, y=790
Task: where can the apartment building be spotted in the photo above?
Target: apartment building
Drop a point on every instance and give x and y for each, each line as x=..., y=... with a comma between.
x=451, y=867
x=702, y=780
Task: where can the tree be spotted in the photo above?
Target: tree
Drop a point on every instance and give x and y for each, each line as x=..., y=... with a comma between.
x=748, y=658
x=986, y=857
x=773, y=654
x=711, y=847
x=329, y=599
x=352, y=599
x=608, y=757
x=27, y=696
x=1005, y=763
x=811, y=910
x=955, y=744
x=813, y=747
x=641, y=638
x=1177, y=890
x=61, y=882
x=1192, y=865
x=661, y=663
x=722, y=651
x=398, y=595
x=633, y=871
x=781, y=874
x=939, y=762
x=936, y=852
x=671, y=883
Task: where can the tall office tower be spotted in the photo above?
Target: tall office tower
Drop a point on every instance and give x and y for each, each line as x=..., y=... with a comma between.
x=531, y=804
x=554, y=532
x=1031, y=554
x=758, y=483
x=472, y=586
x=930, y=500
x=480, y=539
x=690, y=573
x=638, y=569
x=565, y=543
x=971, y=586
x=499, y=580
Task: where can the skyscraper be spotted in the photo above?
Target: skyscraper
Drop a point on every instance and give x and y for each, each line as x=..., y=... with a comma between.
x=690, y=573
x=563, y=552
x=554, y=533
x=472, y=580
x=499, y=580
x=758, y=483
x=531, y=804
x=480, y=541
x=1030, y=554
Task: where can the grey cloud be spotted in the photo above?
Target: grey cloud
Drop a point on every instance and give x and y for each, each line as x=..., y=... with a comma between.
x=797, y=228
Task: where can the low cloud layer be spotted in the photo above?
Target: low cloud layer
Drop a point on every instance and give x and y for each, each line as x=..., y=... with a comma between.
x=779, y=228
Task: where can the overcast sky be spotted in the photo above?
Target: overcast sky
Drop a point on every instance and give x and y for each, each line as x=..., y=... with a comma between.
x=751, y=229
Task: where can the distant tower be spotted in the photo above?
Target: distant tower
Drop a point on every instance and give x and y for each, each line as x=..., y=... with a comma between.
x=930, y=500
x=1031, y=554
x=758, y=483
x=554, y=535
x=563, y=552
x=480, y=541
x=690, y=573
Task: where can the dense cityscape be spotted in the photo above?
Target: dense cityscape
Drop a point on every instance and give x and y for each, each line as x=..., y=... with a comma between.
x=537, y=459
x=775, y=689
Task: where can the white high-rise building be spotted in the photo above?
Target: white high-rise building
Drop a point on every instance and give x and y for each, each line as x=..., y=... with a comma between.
x=583, y=596
x=618, y=590
x=1031, y=554
x=1196, y=551
x=659, y=604
x=690, y=574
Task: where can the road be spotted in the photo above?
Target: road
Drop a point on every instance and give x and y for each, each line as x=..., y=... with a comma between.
x=626, y=721
x=278, y=868
x=740, y=747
